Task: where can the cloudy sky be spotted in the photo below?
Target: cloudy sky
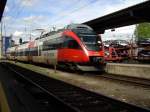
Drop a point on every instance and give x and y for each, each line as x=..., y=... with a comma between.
x=22, y=17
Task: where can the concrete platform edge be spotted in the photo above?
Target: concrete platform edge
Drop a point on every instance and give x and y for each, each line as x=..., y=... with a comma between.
x=4, y=106
x=134, y=70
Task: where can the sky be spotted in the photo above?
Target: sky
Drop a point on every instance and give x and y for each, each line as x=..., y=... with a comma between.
x=22, y=18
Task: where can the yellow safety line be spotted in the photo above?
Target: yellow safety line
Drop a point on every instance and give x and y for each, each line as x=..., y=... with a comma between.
x=4, y=106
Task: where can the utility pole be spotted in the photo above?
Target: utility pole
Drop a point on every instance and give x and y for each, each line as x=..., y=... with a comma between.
x=1, y=40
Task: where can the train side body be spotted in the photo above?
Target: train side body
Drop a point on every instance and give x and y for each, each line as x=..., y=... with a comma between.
x=75, y=46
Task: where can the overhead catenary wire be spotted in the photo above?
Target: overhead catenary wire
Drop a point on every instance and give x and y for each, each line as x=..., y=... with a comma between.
x=64, y=15
x=19, y=9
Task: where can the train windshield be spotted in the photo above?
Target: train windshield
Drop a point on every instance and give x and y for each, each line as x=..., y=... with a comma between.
x=91, y=40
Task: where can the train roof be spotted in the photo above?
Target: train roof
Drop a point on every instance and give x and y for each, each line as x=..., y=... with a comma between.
x=68, y=27
x=52, y=35
x=78, y=26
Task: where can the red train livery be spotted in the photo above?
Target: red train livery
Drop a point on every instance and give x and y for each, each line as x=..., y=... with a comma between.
x=76, y=46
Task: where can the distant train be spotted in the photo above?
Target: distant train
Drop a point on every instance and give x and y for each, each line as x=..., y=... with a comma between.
x=77, y=47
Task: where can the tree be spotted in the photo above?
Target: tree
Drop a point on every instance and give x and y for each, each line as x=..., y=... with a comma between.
x=142, y=31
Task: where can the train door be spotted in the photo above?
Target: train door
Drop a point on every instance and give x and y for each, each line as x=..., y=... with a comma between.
x=30, y=46
x=15, y=54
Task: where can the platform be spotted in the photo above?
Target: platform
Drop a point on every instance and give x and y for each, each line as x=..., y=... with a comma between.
x=124, y=92
x=133, y=70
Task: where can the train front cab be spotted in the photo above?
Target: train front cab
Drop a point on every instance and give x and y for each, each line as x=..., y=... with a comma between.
x=86, y=57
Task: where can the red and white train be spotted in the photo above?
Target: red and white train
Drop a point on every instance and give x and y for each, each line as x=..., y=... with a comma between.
x=76, y=46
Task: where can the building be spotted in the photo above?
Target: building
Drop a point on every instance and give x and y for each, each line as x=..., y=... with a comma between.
x=6, y=44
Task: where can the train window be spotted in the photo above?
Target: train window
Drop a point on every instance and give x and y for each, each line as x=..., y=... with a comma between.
x=53, y=44
x=70, y=43
x=73, y=44
x=26, y=51
x=91, y=40
x=65, y=43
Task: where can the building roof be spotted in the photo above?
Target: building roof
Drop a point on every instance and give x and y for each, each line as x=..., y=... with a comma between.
x=132, y=15
x=2, y=6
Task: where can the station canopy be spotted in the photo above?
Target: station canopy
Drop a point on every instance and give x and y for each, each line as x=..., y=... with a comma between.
x=2, y=6
x=132, y=15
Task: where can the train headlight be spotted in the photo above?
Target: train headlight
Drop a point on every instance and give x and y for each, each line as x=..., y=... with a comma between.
x=97, y=59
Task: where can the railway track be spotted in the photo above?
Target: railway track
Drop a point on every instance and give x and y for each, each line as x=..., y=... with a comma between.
x=69, y=97
x=127, y=79
x=121, y=78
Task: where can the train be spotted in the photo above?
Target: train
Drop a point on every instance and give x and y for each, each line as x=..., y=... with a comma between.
x=76, y=47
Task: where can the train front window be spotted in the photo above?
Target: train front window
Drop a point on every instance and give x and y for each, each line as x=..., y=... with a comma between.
x=91, y=40
x=71, y=43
